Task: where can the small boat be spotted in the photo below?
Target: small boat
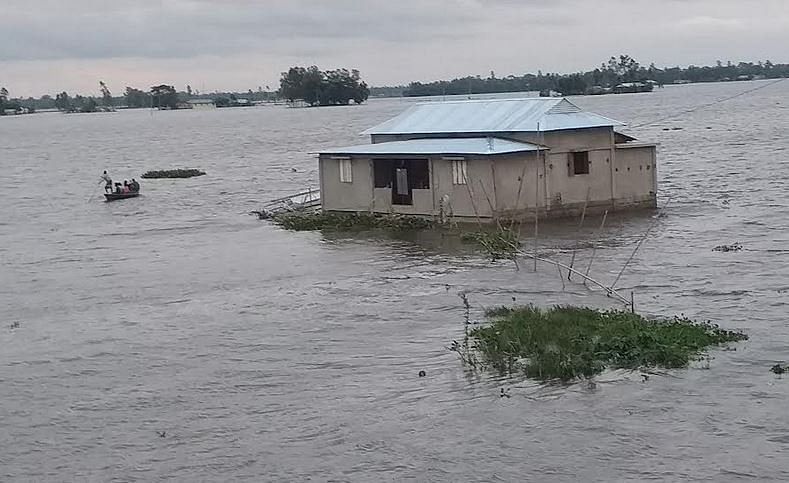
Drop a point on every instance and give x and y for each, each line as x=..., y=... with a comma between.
x=121, y=196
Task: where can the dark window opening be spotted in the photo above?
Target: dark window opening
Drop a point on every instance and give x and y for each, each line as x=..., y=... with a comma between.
x=382, y=173
x=418, y=174
x=580, y=162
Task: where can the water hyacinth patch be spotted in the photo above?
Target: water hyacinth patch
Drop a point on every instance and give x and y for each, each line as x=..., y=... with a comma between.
x=341, y=221
x=567, y=343
x=173, y=173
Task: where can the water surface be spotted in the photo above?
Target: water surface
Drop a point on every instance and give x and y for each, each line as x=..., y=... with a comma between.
x=277, y=356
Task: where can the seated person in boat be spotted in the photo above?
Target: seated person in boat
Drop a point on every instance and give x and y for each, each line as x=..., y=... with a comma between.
x=134, y=186
x=118, y=188
x=125, y=187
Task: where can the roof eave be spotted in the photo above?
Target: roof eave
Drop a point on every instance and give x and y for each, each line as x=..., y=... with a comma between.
x=445, y=153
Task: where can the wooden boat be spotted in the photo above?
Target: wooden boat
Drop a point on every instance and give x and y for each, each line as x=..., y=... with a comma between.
x=121, y=196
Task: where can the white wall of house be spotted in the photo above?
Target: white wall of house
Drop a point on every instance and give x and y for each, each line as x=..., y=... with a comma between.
x=619, y=176
x=337, y=195
x=635, y=175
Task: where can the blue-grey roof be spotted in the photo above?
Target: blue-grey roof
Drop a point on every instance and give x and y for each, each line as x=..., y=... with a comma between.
x=448, y=146
x=492, y=116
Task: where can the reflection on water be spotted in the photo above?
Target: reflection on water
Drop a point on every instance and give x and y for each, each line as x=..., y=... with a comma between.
x=279, y=356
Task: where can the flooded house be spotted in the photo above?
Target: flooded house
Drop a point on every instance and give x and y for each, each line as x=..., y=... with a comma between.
x=489, y=159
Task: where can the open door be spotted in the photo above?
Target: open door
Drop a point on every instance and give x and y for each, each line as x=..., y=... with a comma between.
x=401, y=188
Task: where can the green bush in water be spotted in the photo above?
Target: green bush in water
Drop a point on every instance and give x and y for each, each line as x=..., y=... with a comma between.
x=173, y=173
x=327, y=220
x=501, y=243
x=567, y=342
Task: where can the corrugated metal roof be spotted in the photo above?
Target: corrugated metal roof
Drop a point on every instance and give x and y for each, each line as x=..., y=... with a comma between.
x=492, y=115
x=449, y=146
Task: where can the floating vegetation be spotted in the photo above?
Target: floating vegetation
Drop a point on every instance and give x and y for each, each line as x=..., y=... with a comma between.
x=565, y=342
x=346, y=221
x=173, y=173
x=779, y=369
x=734, y=247
x=499, y=244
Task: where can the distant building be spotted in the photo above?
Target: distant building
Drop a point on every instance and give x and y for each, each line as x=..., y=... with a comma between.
x=504, y=158
x=202, y=104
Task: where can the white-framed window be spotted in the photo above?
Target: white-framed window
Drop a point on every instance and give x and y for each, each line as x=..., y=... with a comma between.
x=346, y=170
x=459, y=171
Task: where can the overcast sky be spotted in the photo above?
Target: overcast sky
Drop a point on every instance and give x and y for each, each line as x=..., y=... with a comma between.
x=53, y=45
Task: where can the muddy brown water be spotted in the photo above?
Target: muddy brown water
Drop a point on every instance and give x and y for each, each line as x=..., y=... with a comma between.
x=265, y=355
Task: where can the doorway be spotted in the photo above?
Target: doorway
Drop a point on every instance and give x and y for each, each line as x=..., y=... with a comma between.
x=402, y=176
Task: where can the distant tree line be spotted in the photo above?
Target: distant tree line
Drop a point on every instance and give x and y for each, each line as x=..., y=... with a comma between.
x=616, y=71
x=323, y=88
x=12, y=106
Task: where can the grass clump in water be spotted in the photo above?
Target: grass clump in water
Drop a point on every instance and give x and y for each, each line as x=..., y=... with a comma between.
x=568, y=342
x=173, y=173
x=346, y=221
x=499, y=244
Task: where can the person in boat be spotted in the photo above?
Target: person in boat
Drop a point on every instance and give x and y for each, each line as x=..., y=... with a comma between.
x=107, y=182
x=125, y=186
x=118, y=188
x=134, y=186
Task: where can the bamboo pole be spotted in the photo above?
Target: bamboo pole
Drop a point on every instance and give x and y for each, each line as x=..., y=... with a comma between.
x=594, y=248
x=561, y=277
x=640, y=241
x=536, y=213
x=473, y=205
x=609, y=291
x=490, y=203
x=580, y=226
x=518, y=197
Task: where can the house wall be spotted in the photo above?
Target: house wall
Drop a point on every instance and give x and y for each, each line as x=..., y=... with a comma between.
x=620, y=176
x=461, y=200
x=512, y=196
x=339, y=196
x=565, y=188
x=466, y=200
x=635, y=175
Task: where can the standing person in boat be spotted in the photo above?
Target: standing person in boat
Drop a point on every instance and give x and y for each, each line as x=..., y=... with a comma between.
x=107, y=182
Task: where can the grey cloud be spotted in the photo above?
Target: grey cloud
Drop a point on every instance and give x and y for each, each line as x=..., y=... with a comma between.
x=228, y=43
x=199, y=27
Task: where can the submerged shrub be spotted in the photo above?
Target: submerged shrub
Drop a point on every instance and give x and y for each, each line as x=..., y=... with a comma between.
x=173, y=173
x=501, y=243
x=344, y=221
x=567, y=342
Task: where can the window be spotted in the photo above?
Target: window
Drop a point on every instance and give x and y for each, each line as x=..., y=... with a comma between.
x=418, y=174
x=459, y=171
x=383, y=171
x=580, y=162
x=346, y=171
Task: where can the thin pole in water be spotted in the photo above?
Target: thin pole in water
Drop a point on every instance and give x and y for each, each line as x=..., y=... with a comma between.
x=536, y=215
x=537, y=198
x=580, y=226
x=640, y=241
x=594, y=248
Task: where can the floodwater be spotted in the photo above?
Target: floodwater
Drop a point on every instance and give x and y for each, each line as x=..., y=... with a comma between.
x=174, y=336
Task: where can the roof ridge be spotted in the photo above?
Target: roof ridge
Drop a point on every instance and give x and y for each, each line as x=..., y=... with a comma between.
x=471, y=101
